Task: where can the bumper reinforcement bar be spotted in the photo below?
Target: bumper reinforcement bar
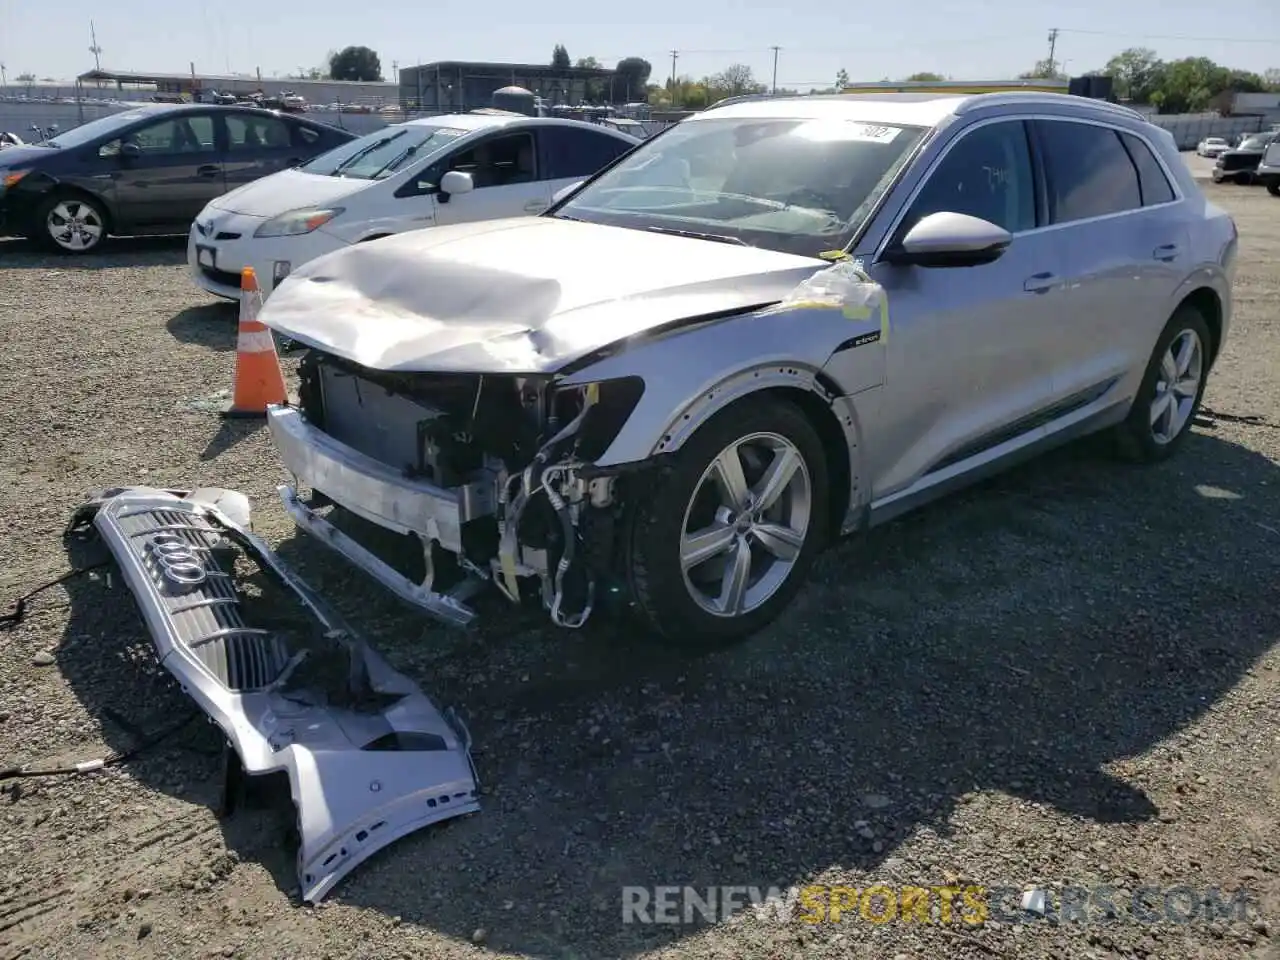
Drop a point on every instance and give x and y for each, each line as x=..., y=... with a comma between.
x=367, y=764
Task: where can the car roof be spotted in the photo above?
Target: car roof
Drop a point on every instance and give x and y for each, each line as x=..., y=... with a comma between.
x=917, y=109
x=485, y=121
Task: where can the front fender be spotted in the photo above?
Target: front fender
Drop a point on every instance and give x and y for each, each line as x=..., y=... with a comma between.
x=690, y=375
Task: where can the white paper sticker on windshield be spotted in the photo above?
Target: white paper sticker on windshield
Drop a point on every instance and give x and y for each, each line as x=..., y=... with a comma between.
x=873, y=133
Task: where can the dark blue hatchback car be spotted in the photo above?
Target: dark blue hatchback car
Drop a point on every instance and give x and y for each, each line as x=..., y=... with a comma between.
x=146, y=170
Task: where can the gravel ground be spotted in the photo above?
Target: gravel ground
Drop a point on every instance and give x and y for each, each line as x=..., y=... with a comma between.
x=1065, y=676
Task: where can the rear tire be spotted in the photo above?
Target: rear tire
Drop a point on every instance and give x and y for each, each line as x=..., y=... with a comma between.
x=1171, y=390
x=767, y=537
x=71, y=223
x=1273, y=188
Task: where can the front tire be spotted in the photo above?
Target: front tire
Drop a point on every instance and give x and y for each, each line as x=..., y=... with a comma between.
x=1244, y=179
x=1273, y=188
x=1171, y=390
x=71, y=224
x=724, y=541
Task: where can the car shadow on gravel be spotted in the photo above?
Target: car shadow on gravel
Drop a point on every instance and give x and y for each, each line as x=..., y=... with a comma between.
x=211, y=325
x=1021, y=637
x=116, y=253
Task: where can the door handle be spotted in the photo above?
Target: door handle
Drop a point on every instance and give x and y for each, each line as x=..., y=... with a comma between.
x=1168, y=252
x=1040, y=283
x=535, y=206
x=208, y=170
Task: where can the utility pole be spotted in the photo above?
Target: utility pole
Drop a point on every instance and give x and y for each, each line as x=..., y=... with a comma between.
x=1053, y=46
x=775, y=68
x=4, y=80
x=674, y=55
x=95, y=49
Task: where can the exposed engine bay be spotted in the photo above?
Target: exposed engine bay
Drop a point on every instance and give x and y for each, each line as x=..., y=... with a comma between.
x=511, y=454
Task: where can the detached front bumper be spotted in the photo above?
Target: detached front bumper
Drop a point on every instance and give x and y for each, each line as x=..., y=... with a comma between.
x=361, y=775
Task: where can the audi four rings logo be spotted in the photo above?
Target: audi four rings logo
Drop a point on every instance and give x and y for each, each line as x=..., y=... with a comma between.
x=177, y=561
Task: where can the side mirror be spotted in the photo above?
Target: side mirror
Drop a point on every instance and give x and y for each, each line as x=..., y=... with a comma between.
x=565, y=191
x=130, y=150
x=949, y=240
x=455, y=181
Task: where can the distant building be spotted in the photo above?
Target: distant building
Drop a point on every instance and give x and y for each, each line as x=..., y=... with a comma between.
x=193, y=85
x=457, y=86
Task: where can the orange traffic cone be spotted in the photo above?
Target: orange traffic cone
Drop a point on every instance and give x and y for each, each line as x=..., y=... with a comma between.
x=259, y=381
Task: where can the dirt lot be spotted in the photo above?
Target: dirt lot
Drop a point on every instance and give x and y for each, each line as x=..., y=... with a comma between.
x=1067, y=676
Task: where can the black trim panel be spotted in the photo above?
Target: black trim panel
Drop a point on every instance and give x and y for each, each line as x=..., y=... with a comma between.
x=1026, y=424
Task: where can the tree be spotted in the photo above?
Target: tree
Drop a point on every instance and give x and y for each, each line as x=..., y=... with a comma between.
x=842, y=79
x=1135, y=74
x=733, y=81
x=26, y=78
x=632, y=76
x=925, y=77
x=560, y=58
x=355, y=63
x=588, y=63
x=1272, y=78
x=1043, y=70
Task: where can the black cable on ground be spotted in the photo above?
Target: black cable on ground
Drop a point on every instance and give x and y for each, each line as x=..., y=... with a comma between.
x=19, y=606
x=111, y=760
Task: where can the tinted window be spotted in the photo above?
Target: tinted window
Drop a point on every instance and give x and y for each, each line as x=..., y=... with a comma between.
x=578, y=153
x=185, y=133
x=248, y=132
x=498, y=161
x=1151, y=178
x=1090, y=173
x=986, y=174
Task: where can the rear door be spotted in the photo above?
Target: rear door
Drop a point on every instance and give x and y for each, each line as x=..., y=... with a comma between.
x=177, y=171
x=257, y=145
x=505, y=169
x=967, y=364
x=1125, y=252
x=570, y=154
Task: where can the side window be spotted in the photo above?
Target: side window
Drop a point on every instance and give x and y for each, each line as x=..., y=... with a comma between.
x=573, y=153
x=246, y=132
x=180, y=135
x=987, y=173
x=499, y=161
x=1090, y=173
x=1151, y=177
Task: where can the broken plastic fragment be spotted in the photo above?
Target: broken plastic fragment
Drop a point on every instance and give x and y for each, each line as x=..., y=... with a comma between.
x=845, y=287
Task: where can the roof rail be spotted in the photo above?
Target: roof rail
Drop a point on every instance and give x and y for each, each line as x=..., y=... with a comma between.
x=1018, y=96
x=745, y=98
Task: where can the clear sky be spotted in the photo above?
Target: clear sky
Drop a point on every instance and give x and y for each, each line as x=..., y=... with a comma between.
x=972, y=40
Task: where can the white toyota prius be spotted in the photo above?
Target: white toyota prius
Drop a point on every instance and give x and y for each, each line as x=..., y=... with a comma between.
x=449, y=169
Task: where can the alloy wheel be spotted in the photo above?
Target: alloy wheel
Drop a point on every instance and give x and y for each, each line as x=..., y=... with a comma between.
x=1177, y=386
x=746, y=524
x=75, y=226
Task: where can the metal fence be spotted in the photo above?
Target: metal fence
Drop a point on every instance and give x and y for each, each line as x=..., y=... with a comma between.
x=1189, y=129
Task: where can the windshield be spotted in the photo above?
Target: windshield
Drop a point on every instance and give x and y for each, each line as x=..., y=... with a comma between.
x=1256, y=143
x=104, y=126
x=794, y=185
x=383, y=152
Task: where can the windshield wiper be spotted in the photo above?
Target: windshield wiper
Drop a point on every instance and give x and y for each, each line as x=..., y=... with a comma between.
x=361, y=154
x=694, y=235
x=395, y=161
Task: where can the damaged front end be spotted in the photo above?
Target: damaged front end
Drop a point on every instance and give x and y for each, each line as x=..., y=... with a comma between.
x=368, y=757
x=485, y=478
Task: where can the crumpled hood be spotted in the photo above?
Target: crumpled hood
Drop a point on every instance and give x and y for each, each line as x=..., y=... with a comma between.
x=526, y=295
x=284, y=191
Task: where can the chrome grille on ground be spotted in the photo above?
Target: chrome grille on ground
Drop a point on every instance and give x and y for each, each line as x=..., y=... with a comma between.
x=200, y=599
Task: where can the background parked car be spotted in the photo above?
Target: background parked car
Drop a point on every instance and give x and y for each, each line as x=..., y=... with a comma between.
x=148, y=170
x=1241, y=163
x=1212, y=147
x=1268, y=172
x=450, y=169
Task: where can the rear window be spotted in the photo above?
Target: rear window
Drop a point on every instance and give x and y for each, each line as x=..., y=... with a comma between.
x=1090, y=173
x=1151, y=178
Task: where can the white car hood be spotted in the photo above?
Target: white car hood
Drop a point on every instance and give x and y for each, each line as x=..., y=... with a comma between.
x=285, y=191
x=526, y=295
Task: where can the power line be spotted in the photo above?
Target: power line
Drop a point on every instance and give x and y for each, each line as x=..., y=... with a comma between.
x=1167, y=36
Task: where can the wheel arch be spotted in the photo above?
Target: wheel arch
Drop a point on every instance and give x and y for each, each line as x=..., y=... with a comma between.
x=1207, y=302
x=832, y=416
